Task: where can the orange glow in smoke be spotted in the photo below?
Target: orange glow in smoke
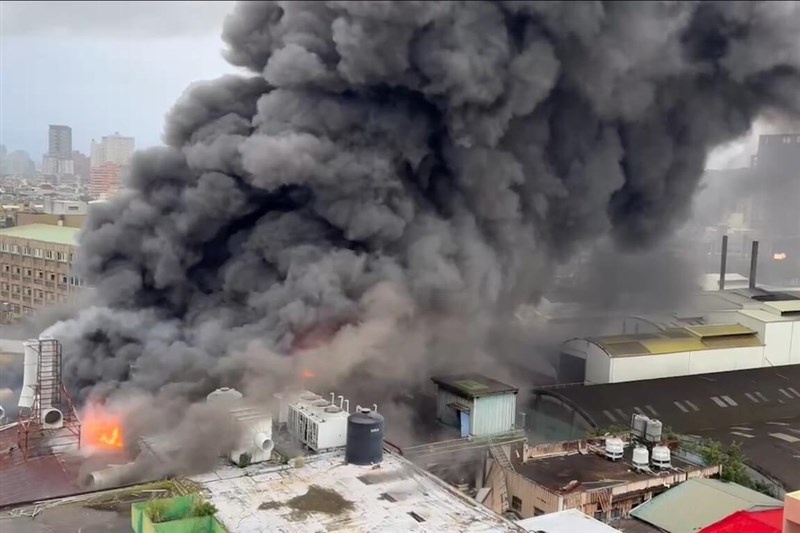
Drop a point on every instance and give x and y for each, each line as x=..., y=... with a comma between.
x=101, y=429
x=308, y=374
x=780, y=256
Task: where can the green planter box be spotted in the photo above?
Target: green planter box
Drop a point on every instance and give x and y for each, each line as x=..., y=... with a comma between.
x=177, y=518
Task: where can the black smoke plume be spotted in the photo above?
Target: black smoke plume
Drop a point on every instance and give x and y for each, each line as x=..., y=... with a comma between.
x=406, y=167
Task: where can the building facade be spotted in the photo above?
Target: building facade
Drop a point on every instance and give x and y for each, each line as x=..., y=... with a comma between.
x=36, y=268
x=104, y=180
x=116, y=149
x=59, y=142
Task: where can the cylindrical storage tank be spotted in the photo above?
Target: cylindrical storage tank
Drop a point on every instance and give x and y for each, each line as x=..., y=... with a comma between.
x=30, y=373
x=224, y=396
x=641, y=457
x=654, y=430
x=614, y=448
x=661, y=457
x=639, y=425
x=364, y=438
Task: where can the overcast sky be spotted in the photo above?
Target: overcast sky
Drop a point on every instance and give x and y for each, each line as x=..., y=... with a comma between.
x=101, y=67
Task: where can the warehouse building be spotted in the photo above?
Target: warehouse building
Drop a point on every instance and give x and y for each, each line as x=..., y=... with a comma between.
x=36, y=268
x=757, y=329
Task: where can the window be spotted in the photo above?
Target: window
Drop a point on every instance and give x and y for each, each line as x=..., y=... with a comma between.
x=16, y=270
x=26, y=250
x=39, y=274
x=516, y=504
x=27, y=291
x=28, y=272
x=14, y=249
x=50, y=296
x=15, y=288
x=52, y=277
x=6, y=268
x=37, y=252
x=48, y=254
x=61, y=256
x=4, y=247
x=537, y=511
x=63, y=279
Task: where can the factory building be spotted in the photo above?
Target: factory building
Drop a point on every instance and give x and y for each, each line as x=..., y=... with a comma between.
x=758, y=329
x=475, y=404
x=587, y=476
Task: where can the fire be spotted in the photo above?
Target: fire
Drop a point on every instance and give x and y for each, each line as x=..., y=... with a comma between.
x=308, y=374
x=101, y=429
x=780, y=256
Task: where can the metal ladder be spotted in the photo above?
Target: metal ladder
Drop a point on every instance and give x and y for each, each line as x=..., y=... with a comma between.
x=500, y=456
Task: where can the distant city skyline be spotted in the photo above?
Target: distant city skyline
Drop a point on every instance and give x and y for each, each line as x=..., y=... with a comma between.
x=101, y=67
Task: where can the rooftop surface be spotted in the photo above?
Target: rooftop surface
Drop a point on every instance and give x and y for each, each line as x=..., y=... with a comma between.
x=770, y=521
x=328, y=495
x=591, y=470
x=38, y=478
x=691, y=404
x=43, y=232
x=569, y=521
x=698, y=503
x=473, y=385
x=686, y=339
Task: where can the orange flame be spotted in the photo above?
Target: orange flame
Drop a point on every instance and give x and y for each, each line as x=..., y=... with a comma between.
x=101, y=429
x=308, y=374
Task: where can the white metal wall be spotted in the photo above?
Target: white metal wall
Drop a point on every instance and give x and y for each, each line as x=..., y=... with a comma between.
x=649, y=366
x=598, y=365
x=794, y=349
x=493, y=414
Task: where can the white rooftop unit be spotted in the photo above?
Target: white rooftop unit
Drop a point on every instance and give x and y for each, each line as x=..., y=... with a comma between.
x=255, y=442
x=661, y=457
x=615, y=447
x=317, y=423
x=641, y=458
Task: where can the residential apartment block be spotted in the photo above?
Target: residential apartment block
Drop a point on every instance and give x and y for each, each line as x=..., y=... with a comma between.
x=36, y=268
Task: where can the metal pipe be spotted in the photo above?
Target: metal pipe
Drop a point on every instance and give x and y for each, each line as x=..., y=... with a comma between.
x=723, y=262
x=753, y=264
x=333, y=398
x=341, y=401
x=375, y=407
x=347, y=406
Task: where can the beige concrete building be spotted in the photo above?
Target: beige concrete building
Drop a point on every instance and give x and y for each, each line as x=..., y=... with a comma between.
x=36, y=268
x=791, y=513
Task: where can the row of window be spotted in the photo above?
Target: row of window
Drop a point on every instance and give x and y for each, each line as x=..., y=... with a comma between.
x=40, y=274
x=64, y=257
x=27, y=311
x=27, y=291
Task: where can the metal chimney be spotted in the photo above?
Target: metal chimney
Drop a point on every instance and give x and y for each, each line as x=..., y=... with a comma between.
x=753, y=264
x=723, y=262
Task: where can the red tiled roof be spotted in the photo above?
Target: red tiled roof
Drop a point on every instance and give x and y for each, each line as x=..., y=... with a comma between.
x=38, y=478
x=769, y=521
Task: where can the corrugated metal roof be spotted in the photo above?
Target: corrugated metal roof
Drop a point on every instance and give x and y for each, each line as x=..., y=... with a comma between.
x=673, y=340
x=785, y=306
x=719, y=330
x=569, y=521
x=698, y=503
x=770, y=521
x=765, y=316
x=473, y=385
x=44, y=233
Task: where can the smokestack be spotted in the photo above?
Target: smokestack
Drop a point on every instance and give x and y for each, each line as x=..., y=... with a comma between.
x=753, y=264
x=723, y=262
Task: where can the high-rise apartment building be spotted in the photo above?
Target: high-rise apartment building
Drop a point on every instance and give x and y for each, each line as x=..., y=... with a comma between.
x=81, y=165
x=104, y=180
x=116, y=149
x=60, y=142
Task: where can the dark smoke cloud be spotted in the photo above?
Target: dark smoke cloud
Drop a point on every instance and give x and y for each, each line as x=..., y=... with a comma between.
x=399, y=166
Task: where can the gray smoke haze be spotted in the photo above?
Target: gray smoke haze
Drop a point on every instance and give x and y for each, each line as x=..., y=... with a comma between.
x=414, y=170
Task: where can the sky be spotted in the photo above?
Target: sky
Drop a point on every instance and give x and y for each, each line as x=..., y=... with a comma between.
x=101, y=67
x=106, y=67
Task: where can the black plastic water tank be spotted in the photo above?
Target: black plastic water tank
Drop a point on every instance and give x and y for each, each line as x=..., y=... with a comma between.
x=364, y=438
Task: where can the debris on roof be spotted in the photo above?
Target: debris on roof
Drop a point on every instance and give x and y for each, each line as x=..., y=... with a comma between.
x=473, y=385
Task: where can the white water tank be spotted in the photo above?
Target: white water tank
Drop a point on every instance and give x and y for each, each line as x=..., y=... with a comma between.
x=30, y=373
x=641, y=457
x=654, y=430
x=614, y=448
x=224, y=396
x=639, y=425
x=661, y=457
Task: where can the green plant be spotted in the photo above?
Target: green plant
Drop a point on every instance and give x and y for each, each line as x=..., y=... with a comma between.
x=156, y=511
x=203, y=508
x=734, y=466
x=614, y=429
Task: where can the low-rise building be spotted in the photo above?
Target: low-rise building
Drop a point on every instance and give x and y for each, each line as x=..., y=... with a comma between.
x=476, y=404
x=576, y=475
x=791, y=513
x=36, y=268
x=701, y=503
